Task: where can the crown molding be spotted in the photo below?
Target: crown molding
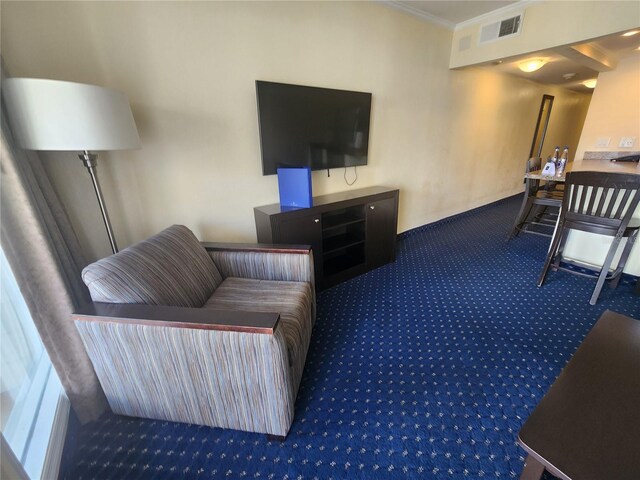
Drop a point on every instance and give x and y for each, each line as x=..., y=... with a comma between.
x=517, y=7
x=418, y=13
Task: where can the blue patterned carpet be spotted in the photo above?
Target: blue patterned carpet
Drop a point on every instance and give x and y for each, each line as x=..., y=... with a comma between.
x=425, y=368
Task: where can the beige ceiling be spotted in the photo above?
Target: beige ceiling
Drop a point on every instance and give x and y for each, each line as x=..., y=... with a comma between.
x=585, y=60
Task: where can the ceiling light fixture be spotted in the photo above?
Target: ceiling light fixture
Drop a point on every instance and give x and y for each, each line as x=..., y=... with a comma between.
x=591, y=83
x=632, y=32
x=532, y=64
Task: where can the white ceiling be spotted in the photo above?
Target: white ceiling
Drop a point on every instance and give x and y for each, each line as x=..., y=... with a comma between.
x=450, y=12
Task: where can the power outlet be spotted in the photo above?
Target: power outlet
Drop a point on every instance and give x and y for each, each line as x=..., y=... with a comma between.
x=603, y=142
x=627, y=142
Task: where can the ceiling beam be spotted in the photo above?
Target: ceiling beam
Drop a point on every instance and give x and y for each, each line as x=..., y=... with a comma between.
x=590, y=55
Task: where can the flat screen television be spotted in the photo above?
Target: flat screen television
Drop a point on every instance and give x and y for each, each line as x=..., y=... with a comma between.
x=320, y=128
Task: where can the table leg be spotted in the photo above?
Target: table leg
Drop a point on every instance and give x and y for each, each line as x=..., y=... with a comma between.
x=532, y=469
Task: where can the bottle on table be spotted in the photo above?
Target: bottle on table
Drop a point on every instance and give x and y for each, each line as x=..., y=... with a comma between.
x=562, y=163
x=549, y=169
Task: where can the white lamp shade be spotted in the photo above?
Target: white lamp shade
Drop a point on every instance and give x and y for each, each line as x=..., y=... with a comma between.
x=56, y=115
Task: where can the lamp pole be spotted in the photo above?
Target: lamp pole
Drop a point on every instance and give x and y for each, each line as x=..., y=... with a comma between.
x=90, y=160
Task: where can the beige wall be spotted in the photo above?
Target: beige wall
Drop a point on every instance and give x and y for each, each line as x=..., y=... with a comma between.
x=547, y=24
x=615, y=108
x=450, y=140
x=614, y=112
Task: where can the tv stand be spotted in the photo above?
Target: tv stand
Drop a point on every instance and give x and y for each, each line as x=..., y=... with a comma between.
x=350, y=232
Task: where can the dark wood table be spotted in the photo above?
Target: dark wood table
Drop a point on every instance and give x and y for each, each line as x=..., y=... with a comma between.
x=587, y=426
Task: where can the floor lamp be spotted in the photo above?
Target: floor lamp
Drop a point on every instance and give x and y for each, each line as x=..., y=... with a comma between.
x=56, y=115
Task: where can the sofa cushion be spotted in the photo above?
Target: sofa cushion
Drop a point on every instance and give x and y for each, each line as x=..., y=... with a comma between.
x=292, y=300
x=171, y=268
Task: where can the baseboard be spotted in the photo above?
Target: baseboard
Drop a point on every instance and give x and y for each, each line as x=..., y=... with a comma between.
x=53, y=457
x=428, y=226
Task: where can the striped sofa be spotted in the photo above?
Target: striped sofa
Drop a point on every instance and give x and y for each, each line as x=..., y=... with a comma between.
x=204, y=333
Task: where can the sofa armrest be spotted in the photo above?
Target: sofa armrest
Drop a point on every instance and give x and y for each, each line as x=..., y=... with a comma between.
x=292, y=263
x=181, y=369
x=255, y=247
x=179, y=317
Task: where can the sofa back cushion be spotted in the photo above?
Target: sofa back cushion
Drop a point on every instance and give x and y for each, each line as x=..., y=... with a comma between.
x=171, y=268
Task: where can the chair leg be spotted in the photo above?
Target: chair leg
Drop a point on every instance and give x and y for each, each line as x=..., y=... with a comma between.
x=541, y=210
x=525, y=208
x=605, y=269
x=558, y=255
x=555, y=242
x=623, y=259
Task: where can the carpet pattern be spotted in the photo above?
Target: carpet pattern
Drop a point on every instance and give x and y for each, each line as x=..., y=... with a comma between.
x=425, y=368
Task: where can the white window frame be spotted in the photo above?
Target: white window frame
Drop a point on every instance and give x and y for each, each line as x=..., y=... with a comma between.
x=40, y=406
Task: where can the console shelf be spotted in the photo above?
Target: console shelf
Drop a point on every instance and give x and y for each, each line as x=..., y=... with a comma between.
x=340, y=242
x=342, y=263
x=350, y=232
x=342, y=217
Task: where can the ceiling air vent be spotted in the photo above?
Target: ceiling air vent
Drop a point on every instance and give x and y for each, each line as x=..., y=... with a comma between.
x=503, y=28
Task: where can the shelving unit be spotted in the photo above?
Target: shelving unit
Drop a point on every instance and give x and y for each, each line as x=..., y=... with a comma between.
x=350, y=233
x=340, y=242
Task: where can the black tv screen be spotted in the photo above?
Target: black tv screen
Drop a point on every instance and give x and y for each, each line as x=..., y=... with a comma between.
x=320, y=128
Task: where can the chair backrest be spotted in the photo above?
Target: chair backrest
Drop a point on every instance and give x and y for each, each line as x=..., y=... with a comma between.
x=171, y=268
x=533, y=164
x=606, y=198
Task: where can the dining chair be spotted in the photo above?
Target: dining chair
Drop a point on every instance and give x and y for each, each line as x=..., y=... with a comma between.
x=542, y=197
x=601, y=203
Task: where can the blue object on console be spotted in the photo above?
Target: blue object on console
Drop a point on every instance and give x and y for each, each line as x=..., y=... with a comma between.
x=294, y=185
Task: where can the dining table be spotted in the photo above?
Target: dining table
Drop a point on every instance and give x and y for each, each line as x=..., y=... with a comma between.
x=591, y=165
x=587, y=165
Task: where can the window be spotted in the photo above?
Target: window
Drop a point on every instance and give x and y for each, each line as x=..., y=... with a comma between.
x=33, y=407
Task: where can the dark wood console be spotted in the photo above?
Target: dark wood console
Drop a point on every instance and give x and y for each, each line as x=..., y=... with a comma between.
x=350, y=232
